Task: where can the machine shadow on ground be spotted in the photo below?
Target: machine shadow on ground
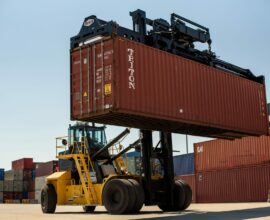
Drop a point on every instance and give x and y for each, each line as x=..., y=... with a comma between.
x=243, y=214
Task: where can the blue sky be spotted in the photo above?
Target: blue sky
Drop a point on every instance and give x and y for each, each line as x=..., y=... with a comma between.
x=34, y=59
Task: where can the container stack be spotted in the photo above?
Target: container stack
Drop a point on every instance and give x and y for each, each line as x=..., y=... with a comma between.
x=2, y=175
x=233, y=171
x=184, y=170
x=19, y=182
x=42, y=171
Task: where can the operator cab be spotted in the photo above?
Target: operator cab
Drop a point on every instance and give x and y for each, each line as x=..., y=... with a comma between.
x=95, y=136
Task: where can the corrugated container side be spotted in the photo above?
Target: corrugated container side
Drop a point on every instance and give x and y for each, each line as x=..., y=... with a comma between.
x=36, y=164
x=8, y=195
x=25, y=195
x=17, y=186
x=225, y=154
x=27, y=174
x=1, y=185
x=8, y=186
x=183, y=164
x=38, y=196
x=130, y=163
x=191, y=181
x=40, y=182
x=17, y=196
x=21, y=164
x=31, y=195
x=1, y=197
x=29, y=186
x=9, y=175
x=122, y=82
x=246, y=184
x=45, y=169
x=268, y=111
x=14, y=175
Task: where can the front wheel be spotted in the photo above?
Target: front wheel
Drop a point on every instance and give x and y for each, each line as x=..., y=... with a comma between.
x=48, y=199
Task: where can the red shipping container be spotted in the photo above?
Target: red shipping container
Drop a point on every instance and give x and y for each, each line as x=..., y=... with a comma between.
x=224, y=154
x=191, y=181
x=45, y=169
x=122, y=82
x=7, y=195
x=36, y=165
x=31, y=195
x=29, y=186
x=22, y=164
x=246, y=184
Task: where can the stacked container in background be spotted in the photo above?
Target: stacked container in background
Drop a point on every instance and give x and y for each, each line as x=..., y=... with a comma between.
x=19, y=182
x=233, y=171
x=2, y=175
x=184, y=170
x=133, y=162
x=268, y=111
x=42, y=171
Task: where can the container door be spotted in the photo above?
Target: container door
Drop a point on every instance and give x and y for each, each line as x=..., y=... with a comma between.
x=91, y=79
x=103, y=84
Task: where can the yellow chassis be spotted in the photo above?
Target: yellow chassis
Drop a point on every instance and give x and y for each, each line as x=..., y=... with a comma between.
x=68, y=193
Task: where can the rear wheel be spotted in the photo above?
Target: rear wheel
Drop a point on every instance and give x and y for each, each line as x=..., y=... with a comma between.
x=89, y=209
x=188, y=192
x=139, y=193
x=179, y=197
x=118, y=196
x=48, y=199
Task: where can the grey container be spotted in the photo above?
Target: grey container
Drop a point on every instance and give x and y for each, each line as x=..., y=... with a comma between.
x=134, y=165
x=130, y=163
x=14, y=175
x=17, y=186
x=8, y=186
x=1, y=186
x=40, y=182
x=38, y=196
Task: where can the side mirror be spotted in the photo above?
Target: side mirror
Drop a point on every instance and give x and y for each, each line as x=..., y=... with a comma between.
x=64, y=142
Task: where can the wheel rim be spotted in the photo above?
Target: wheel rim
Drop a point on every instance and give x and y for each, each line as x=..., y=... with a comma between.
x=116, y=197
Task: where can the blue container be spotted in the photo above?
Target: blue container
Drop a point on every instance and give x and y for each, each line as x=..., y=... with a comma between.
x=184, y=164
x=33, y=174
x=132, y=154
x=2, y=174
x=24, y=195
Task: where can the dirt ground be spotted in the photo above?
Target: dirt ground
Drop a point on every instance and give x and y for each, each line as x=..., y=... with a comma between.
x=228, y=211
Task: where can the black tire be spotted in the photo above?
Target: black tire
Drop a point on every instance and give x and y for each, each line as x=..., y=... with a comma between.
x=139, y=196
x=131, y=196
x=89, y=209
x=188, y=192
x=48, y=199
x=178, y=199
x=116, y=196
